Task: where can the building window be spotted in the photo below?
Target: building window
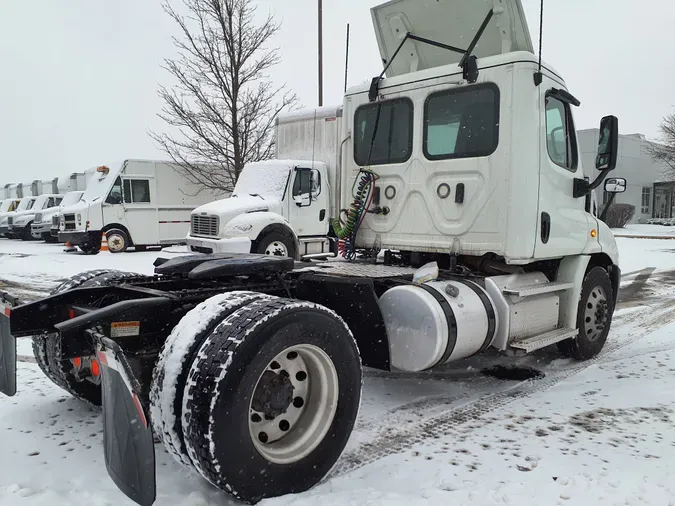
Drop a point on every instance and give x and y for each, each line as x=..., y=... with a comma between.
x=461, y=123
x=383, y=132
x=646, y=200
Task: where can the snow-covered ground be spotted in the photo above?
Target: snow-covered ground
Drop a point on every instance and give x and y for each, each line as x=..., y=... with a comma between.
x=599, y=432
x=640, y=230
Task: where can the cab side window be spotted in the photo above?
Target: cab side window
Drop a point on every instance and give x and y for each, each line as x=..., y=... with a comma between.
x=115, y=195
x=307, y=183
x=560, y=140
x=136, y=191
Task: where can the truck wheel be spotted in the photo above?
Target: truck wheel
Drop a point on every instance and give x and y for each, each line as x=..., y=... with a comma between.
x=26, y=234
x=46, y=348
x=272, y=398
x=594, y=316
x=277, y=244
x=89, y=248
x=175, y=359
x=118, y=240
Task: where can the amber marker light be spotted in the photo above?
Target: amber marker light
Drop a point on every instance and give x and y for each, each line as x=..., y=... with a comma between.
x=594, y=233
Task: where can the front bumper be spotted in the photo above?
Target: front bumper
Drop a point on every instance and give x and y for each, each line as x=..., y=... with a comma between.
x=229, y=245
x=38, y=229
x=79, y=238
x=15, y=228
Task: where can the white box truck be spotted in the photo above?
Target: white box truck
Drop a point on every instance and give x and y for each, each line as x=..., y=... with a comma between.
x=7, y=207
x=292, y=216
x=136, y=203
x=249, y=367
x=20, y=223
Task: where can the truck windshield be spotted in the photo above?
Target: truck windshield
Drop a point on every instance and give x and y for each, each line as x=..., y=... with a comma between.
x=99, y=183
x=265, y=180
x=39, y=203
x=71, y=198
x=5, y=205
x=26, y=204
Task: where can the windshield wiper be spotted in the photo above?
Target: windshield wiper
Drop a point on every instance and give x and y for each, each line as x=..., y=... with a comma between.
x=257, y=195
x=468, y=62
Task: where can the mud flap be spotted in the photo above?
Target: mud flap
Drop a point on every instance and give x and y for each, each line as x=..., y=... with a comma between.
x=127, y=434
x=7, y=353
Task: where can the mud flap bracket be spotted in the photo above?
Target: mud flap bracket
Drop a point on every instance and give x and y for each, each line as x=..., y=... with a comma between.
x=7, y=349
x=128, y=442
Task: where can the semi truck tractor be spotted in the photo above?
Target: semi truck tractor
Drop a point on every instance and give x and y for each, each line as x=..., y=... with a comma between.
x=464, y=215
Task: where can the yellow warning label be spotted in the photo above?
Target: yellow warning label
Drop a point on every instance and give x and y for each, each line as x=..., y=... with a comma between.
x=125, y=329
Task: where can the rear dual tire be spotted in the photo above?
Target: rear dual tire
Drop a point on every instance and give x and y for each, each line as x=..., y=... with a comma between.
x=266, y=396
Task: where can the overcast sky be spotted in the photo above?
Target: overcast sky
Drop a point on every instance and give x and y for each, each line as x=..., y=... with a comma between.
x=78, y=78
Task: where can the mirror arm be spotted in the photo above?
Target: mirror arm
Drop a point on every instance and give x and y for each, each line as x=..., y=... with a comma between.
x=605, y=209
x=583, y=187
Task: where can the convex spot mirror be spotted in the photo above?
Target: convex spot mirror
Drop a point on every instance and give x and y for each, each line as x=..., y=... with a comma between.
x=615, y=185
x=608, y=144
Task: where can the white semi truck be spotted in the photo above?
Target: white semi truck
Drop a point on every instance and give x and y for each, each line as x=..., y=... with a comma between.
x=461, y=184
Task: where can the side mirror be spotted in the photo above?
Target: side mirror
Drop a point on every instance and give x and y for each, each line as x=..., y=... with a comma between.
x=608, y=145
x=615, y=185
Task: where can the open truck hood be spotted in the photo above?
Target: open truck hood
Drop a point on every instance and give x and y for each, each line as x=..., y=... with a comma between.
x=450, y=22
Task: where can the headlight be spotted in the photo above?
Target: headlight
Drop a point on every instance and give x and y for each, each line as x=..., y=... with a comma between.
x=79, y=217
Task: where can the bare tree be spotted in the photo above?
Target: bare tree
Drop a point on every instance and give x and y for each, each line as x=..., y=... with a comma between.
x=664, y=150
x=223, y=106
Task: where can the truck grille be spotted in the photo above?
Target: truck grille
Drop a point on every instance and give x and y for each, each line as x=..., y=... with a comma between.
x=70, y=221
x=55, y=221
x=38, y=218
x=201, y=225
x=10, y=220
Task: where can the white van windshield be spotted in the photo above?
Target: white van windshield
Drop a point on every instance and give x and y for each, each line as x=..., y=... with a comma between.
x=99, y=183
x=262, y=179
x=71, y=198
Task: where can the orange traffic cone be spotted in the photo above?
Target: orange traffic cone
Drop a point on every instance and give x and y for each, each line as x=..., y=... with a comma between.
x=104, y=242
x=69, y=248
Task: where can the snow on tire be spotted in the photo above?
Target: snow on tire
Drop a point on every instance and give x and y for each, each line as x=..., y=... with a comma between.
x=170, y=373
x=272, y=398
x=46, y=349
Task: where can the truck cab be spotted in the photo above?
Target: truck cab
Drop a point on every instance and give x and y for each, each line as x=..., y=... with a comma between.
x=44, y=220
x=278, y=207
x=22, y=220
x=7, y=206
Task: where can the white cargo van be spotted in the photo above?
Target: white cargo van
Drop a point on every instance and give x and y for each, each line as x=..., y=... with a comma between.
x=136, y=203
x=46, y=222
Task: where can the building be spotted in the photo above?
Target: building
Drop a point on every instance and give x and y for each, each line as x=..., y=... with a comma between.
x=648, y=187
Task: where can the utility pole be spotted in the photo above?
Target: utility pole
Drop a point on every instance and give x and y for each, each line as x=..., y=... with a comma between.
x=320, y=53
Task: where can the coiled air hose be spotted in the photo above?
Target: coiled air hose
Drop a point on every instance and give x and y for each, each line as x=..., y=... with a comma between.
x=363, y=197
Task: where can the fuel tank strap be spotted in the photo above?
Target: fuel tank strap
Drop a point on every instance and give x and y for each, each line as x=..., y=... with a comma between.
x=489, y=310
x=450, y=318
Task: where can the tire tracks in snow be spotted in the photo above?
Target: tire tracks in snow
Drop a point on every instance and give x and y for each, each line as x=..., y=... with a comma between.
x=393, y=441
